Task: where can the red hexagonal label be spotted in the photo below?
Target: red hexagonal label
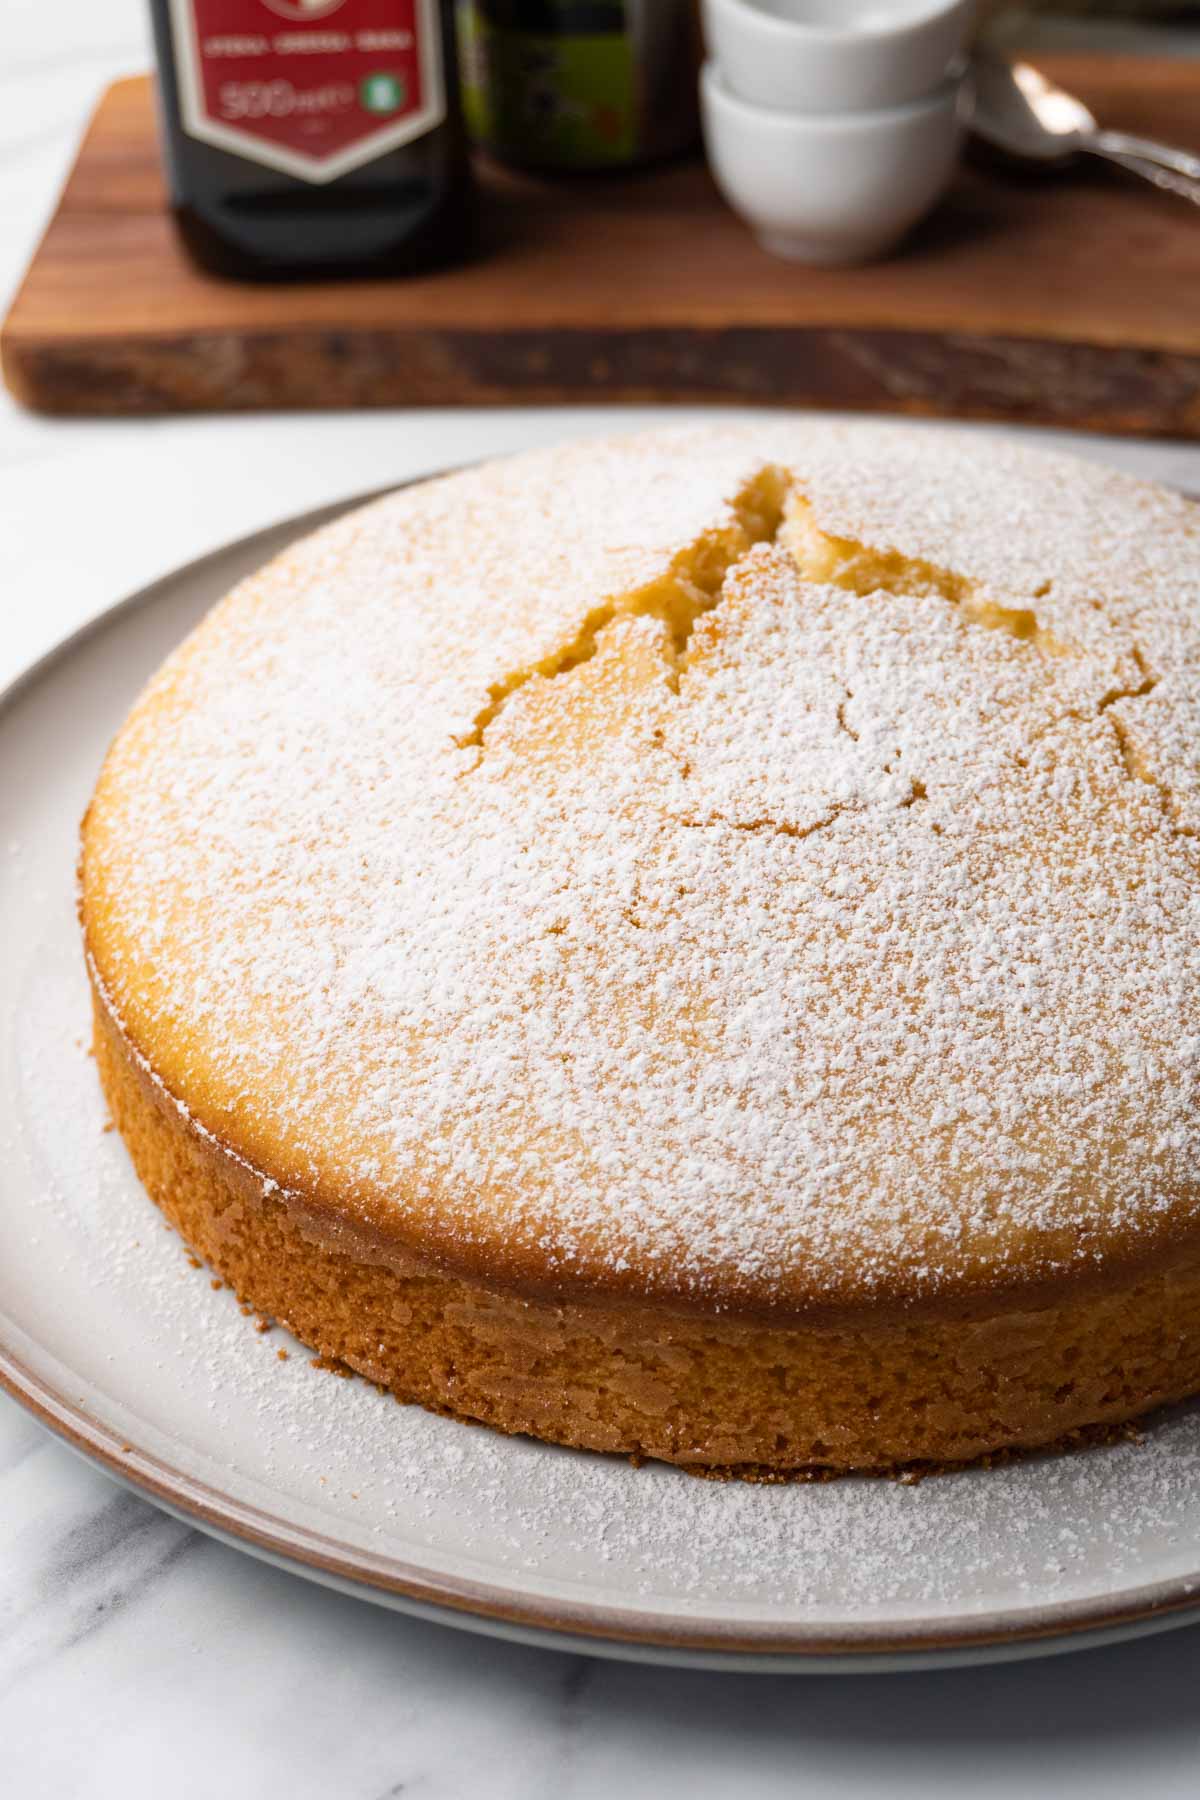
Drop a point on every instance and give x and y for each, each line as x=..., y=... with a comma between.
x=312, y=87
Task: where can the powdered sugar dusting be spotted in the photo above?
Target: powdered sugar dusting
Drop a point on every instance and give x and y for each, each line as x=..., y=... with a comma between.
x=97, y=1294
x=181, y=1374
x=779, y=938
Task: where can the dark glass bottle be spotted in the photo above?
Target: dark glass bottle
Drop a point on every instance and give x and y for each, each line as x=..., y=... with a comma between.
x=313, y=137
x=580, y=84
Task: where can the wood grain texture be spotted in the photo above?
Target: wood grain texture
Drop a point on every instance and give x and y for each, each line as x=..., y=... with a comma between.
x=1072, y=300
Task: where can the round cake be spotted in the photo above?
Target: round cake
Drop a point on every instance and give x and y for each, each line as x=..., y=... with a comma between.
x=688, y=945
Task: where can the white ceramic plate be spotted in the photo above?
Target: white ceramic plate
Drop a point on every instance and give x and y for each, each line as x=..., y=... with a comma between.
x=111, y=1337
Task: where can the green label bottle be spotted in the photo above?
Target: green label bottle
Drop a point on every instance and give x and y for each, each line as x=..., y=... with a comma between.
x=579, y=84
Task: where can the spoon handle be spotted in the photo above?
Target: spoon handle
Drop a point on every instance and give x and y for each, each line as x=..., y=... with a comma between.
x=1166, y=179
x=1122, y=143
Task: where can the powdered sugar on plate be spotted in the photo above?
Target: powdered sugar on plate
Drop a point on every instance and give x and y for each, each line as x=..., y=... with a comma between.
x=187, y=1375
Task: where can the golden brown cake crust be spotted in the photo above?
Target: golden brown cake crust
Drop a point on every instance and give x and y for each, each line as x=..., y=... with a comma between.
x=644, y=1380
x=718, y=906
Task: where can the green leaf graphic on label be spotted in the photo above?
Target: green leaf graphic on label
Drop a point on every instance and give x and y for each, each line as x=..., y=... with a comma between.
x=381, y=92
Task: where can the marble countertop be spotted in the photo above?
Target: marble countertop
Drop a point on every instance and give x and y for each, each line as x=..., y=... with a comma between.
x=137, y=1656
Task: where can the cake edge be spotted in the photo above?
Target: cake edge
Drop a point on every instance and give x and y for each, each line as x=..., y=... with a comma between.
x=714, y=1391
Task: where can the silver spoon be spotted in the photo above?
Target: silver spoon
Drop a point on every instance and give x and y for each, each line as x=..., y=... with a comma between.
x=1019, y=111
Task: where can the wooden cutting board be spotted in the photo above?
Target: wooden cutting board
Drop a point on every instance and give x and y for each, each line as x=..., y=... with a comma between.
x=1071, y=300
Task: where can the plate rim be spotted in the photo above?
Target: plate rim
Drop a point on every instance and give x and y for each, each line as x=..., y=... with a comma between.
x=571, y=1624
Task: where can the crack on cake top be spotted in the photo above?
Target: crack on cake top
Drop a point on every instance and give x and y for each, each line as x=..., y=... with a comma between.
x=925, y=994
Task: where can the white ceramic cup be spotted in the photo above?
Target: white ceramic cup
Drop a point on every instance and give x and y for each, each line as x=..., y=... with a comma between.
x=829, y=56
x=830, y=188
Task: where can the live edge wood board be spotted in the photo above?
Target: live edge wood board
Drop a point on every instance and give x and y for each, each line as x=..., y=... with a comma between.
x=1071, y=300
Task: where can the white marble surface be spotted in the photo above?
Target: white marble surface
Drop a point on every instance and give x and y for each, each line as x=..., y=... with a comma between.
x=136, y=1656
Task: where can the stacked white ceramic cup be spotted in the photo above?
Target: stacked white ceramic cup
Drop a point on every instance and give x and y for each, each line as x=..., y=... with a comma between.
x=832, y=126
